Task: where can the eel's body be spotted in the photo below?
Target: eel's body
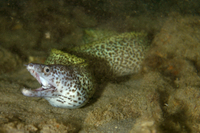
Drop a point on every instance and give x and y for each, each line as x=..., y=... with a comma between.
x=67, y=80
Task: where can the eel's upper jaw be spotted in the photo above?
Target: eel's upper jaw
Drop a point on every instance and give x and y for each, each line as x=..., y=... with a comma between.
x=42, y=81
x=33, y=73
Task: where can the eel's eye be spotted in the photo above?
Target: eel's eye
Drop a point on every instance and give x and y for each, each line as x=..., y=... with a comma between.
x=46, y=70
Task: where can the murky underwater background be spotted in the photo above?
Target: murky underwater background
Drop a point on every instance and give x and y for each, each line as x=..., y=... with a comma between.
x=163, y=97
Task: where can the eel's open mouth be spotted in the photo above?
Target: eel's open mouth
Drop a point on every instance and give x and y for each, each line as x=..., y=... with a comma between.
x=45, y=85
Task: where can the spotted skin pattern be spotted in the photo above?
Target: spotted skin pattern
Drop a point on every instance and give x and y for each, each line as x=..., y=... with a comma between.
x=66, y=78
x=123, y=54
x=63, y=86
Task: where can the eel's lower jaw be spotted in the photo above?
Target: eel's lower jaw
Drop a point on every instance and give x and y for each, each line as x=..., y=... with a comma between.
x=39, y=92
x=28, y=93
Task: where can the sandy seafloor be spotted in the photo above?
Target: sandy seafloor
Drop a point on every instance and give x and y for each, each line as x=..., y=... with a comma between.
x=164, y=97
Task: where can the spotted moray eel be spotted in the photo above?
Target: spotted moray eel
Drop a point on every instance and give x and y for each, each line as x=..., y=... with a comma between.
x=67, y=79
